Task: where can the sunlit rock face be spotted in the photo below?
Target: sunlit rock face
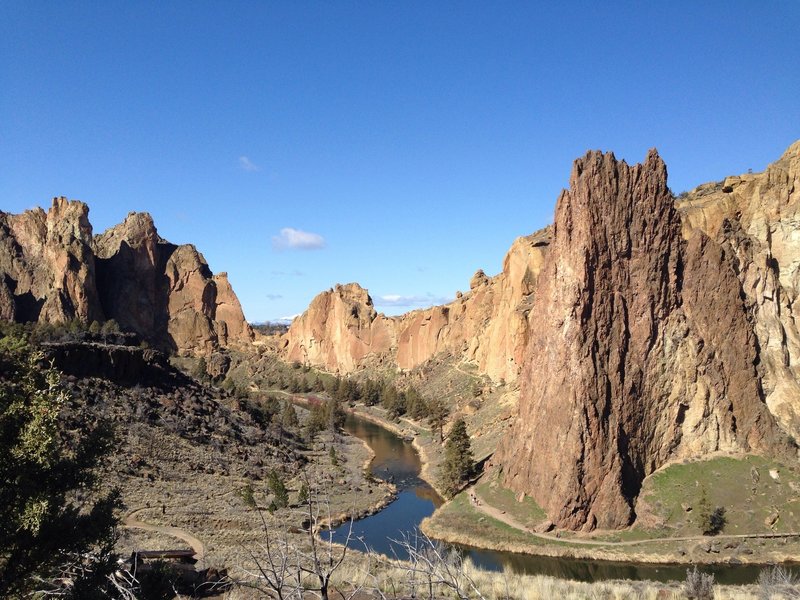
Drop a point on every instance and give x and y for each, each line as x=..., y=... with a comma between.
x=642, y=350
x=52, y=270
x=488, y=325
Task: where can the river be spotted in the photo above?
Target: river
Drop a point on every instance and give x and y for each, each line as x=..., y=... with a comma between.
x=396, y=460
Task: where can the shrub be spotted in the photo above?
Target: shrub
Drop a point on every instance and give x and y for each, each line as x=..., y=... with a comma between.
x=698, y=585
x=247, y=496
x=710, y=522
x=774, y=580
x=277, y=486
x=44, y=468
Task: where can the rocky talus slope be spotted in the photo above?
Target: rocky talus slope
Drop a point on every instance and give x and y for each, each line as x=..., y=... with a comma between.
x=52, y=270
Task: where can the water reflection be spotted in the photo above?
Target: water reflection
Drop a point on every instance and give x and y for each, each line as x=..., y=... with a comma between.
x=396, y=460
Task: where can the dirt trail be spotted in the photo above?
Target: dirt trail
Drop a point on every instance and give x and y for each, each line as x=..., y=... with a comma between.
x=199, y=548
x=480, y=504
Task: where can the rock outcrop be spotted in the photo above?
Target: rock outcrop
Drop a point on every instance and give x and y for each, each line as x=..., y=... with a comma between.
x=642, y=350
x=53, y=270
x=342, y=332
x=47, y=268
x=758, y=217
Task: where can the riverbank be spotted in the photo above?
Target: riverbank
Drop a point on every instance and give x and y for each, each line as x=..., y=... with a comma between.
x=342, y=515
x=420, y=438
x=458, y=522
x=483, y=526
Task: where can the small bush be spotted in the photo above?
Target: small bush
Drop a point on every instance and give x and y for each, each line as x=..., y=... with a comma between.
x=710, y=522
x=698, y=585
x=776, y=580
x=246, y=494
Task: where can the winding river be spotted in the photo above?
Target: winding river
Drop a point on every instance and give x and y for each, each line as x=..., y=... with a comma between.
x=396, y=460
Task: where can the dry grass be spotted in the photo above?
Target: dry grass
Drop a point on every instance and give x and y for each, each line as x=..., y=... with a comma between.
x=392, y=580
x=209, y=504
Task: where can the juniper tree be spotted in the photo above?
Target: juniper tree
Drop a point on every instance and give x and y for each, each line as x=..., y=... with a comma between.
x=437, y=416
x=42, y=467
x=458, y=465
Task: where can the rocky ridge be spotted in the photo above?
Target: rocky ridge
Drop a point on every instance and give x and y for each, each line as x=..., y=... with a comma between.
x=342, y=332
x=53, y=270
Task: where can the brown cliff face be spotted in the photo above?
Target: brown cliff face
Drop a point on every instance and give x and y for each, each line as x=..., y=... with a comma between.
x=758, y=217
x=47, y=265
x=52, y=270
x=341, y=331
x=640, y=351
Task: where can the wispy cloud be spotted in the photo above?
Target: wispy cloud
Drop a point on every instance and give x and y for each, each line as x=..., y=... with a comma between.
x=248, y=165
x=290, y=238
x=274, y=296
x=416, y=301
x=286, y=320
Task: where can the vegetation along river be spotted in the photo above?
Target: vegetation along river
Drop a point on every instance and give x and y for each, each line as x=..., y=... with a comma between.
x=396, y=460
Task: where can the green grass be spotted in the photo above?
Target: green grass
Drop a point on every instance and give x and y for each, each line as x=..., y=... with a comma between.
x=743, y=486
x=459, y=516
x=527, y=512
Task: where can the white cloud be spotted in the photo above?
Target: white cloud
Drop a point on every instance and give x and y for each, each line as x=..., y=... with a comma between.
x=248, y=165
x=417, y=301
x=274, y=296
x=286, y=320
x=297, y=239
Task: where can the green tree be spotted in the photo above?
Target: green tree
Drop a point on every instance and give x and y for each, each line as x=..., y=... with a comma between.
x=289, y=416
x=42, y=468
x=416, y=405
x=247, y=496
x=109, y=327
x=437, y=416
x=277, y=486
x=709, y=521
x=393, y=401
x=317, y=420
x=334, y=414
x=302, y=495
x=458, y=464
x=371, y=392
x=200, y=369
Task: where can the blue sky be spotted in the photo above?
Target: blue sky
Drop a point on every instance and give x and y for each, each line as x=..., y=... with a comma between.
x=402, y=145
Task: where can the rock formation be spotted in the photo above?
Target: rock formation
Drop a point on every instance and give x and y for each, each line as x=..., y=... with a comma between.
x=53, y=270
x=758, y=217
x=47, y=268
x=342, y=332
x=642, y=350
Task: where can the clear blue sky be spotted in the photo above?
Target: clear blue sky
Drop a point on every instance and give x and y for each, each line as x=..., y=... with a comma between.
x=413, y=141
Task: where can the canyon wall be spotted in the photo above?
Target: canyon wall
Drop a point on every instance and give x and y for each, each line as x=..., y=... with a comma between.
x=642, y=351
x=758, y=216
x=488, y=325
x=53, y=270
